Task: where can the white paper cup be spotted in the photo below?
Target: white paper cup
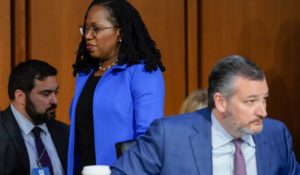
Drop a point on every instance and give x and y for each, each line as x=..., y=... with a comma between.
x=96, y=170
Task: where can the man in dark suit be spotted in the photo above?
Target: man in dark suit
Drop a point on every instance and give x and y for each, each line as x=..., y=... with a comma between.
x=230, y=137
x=32, y=90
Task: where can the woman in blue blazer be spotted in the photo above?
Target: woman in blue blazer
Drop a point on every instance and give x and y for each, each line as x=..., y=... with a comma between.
x=119, y=85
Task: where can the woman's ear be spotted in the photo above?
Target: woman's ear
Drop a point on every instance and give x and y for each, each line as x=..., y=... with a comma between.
x=220, y=102
x=120, y=35
x=20, y=97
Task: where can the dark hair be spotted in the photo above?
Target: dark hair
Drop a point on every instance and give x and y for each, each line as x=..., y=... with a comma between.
x=136, y=46
x=222, y=77
x=23, y=75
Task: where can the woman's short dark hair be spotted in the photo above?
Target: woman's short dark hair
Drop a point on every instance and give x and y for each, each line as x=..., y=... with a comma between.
x=136, y=46
x=23, y=75
x=226, y=71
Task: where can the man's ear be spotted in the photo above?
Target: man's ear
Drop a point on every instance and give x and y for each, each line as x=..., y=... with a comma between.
x=20, y=97
x=220, y=102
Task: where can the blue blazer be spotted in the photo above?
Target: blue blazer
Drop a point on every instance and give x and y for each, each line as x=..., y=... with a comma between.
x=182, y=146
x=126, y=100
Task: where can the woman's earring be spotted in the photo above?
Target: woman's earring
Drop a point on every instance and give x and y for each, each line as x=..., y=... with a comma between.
x=120, y=40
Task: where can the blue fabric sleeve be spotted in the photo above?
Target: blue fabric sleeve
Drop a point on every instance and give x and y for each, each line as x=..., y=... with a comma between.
x=292, y=164
x=148, y=93
x=145, y=158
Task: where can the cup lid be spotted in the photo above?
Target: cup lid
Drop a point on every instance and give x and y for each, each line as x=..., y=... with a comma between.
x=96, y=169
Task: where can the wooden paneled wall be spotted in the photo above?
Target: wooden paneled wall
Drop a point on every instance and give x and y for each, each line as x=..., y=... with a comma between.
x=268, y=32
x=192, y=35
x=54, y=38
x=46, y=30
x=168, y=24
x=5, y=54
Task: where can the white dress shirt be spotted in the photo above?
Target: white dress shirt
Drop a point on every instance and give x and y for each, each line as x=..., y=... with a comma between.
x=26, y=127
x=223, y=150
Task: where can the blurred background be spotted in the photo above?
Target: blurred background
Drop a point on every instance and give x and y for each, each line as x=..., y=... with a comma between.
x=192, y=35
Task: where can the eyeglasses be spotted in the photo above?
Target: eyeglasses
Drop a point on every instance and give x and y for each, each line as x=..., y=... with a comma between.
x=94, y=30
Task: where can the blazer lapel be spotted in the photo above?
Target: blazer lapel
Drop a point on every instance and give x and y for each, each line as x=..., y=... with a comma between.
x=81, y=80
x=201, y=143
x=14, y=132
x=262, y=154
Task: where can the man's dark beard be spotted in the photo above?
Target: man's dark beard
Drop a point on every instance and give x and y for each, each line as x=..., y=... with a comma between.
x=39, y=118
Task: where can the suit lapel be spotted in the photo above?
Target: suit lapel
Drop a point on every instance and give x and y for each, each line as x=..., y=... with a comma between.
x=201, y=143
x=262, y=154
x=80, y=83
x=14, y=133
x=202, y=148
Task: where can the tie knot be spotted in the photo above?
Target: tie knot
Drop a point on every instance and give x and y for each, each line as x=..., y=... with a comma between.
x=237, y=143
x=36, y=131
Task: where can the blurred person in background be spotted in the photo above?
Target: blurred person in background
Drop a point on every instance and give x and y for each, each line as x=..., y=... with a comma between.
x=194, y=101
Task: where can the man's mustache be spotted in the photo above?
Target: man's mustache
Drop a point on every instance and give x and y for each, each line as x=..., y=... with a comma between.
x=52, y=107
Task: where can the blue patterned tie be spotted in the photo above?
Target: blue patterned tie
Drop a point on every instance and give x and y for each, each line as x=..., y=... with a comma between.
x=239, y=161
x=43, y=157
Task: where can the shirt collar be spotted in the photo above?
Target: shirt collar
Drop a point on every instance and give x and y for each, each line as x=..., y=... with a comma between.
x=221, y=137
x=249, y=140
x=25, y=125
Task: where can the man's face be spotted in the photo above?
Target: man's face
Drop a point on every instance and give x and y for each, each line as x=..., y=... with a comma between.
x=246, y=109
x=41, y=102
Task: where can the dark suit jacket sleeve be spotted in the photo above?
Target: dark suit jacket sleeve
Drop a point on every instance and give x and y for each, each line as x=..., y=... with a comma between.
x=14, y=158
x=145, y=158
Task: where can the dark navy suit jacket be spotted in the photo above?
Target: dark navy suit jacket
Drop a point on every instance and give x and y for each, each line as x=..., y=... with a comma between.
x=182, y=145
x=14, y=159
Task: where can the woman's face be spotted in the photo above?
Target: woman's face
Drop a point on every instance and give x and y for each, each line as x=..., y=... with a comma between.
x=102, y=38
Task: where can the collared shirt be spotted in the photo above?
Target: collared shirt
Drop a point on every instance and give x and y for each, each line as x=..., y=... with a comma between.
x=26, y=127
x=223, y=150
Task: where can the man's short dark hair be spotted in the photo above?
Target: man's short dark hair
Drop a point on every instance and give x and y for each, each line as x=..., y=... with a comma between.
x=23, y=75
x=224, y=73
